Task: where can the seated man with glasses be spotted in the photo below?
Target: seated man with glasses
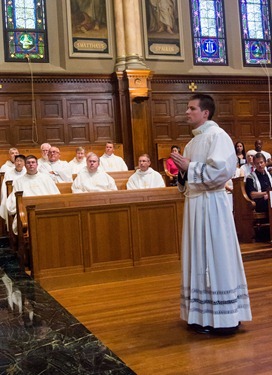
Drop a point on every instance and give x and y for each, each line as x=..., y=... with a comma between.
x=58, y=170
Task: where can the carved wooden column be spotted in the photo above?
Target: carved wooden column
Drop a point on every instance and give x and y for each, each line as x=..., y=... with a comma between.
x=139, y=89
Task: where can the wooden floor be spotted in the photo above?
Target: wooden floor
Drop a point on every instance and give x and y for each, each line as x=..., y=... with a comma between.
x=139, y=320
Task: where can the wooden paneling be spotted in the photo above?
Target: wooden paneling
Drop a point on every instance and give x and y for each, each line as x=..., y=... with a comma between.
x=242, y=108
x=81, y=109
x=60, y=110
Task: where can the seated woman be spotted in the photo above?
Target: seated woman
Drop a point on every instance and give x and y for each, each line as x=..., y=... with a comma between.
x=241, y=153
x=172, y=168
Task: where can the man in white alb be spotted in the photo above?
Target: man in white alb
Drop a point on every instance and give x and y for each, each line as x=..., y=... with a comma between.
x=79, y=161
x=110, y=162
x=145, y=177
x=11, y=175
x=91, y=178
x=9, y=164
x=32, y=183
x=57, y=169
x=214, y=294
x=45, y=147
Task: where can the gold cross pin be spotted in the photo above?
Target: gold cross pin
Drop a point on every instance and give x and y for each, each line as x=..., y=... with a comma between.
x=193, y=86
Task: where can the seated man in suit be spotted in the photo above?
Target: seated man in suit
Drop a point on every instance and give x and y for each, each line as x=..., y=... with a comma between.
x=145, y=177
x=258, y=183
x=91, y=178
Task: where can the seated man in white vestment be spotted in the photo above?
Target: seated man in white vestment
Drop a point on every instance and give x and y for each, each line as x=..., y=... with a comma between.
x=11, y=175
x=57, y=169
x=110, y=162
x=91, y=178
x=79, y=161
x=9, y=164
x=45, y=147
x=145, y=177
x=32, y=183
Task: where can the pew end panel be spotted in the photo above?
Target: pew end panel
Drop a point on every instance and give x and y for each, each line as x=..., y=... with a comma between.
x=247, y=220
x=12, y=237
x=23, y=232
x=3, y=228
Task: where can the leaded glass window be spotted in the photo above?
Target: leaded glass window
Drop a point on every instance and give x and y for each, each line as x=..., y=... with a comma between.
x=208, y=29
x=25, y=37
x=256, y=31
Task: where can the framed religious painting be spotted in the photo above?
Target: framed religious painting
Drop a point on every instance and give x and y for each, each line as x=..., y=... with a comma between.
x=89, y=28
x=163, y=33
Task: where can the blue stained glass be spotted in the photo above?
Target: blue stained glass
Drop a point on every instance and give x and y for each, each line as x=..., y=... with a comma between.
x=25, y=35
x=208, y=25
x=255, y=29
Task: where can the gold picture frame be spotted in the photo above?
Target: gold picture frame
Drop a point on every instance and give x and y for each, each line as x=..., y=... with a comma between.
x=89, y=28
x=163, y=33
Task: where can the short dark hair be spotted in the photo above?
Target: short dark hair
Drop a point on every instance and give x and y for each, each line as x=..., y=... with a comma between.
x=30, y=157
x=205, y=102
x=259, y=155
x=177, y=147
x=20, y=156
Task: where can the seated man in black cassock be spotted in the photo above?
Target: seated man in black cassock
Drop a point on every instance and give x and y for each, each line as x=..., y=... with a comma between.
x=258, y=183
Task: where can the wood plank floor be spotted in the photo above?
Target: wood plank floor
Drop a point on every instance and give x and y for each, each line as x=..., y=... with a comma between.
x=139, y=320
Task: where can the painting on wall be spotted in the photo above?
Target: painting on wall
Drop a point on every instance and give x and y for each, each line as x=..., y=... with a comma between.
x=162, y=29
x=89, y=28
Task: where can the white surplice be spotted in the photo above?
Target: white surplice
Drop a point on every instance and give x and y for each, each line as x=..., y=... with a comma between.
x=10, y=175
x=58, y=170
x=145, y=180
x=112, y=163
x=214, y=288
x=96, y=181
x=76, y=165
x=31, y=185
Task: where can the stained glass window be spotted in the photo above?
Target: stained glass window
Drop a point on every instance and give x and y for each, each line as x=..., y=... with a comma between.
x=25, y=37
x=256, y=31
x=208, y=29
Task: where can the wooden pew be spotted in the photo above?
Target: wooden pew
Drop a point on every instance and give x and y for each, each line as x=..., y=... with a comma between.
x=12, y=236
x=247, y=220
x=64, y=188
x=74, y=235
x=121, y=178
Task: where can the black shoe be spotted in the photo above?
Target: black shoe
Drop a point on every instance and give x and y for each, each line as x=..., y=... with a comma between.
x=200, y=329
x=225, y=331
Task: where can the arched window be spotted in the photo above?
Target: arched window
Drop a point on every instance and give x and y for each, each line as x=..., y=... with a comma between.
x=208, y=30
x=25, y=36
x=256, y=32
